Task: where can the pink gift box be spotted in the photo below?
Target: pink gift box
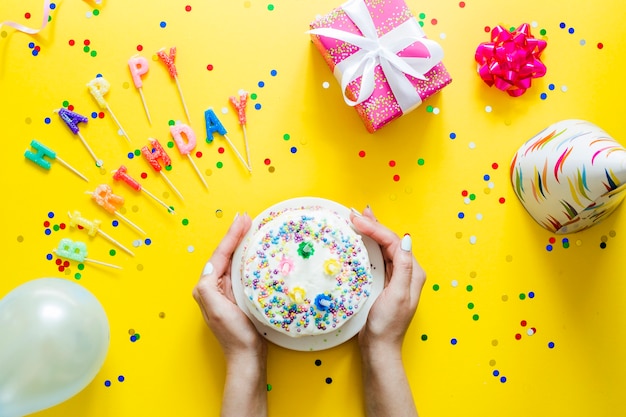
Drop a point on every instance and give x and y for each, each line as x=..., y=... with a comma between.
x=390, y=23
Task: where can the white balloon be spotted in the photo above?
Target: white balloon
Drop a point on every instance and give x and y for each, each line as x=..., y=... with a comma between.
x=54, y=337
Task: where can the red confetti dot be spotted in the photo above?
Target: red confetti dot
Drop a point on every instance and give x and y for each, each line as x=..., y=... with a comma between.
x=464, y=193
x=70, y=107
x=188, y=8
x=86, y=42
x=220, y=150
x=501, y=200
x=518, y=336
x=46, y=224
x=523, y=323
x=66, y=264
x=140, y=47
x=80, y=227
x=433, y=22
x=101, y=115
x=392, y=163
x=58, y=261
x=494, y=165
x=552, y=240
x=362, y=154
x=461, y=4
x=27, y=15
x=144, y=175
x=209, y=67
x=37, y=48
x=534, y=330
x=198, y=154
x=487, y=29
x=72, y=42
x=600, y=45
x=61, y=268
x=267, y=161
x=62, y=226
x=396, y=178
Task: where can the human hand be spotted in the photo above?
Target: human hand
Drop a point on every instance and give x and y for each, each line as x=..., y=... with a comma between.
x=213, y=293
x=393, y=310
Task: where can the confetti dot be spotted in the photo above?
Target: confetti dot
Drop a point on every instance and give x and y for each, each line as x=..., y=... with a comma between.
x=570, y=30
x=543, y=96
x=293, y=149
x=325, y=84
x=563, y=88
x=471, y=145
x=462, y=4
x=107, y=383
x=582, y=42
x=396, y=178
x=453, y=341
x=362, y=154
x=190, y=249
x=420, y=161
x=257, y=106
x=318, y=362
x=163, y=24
x=488, y=109
x=435, y=287
x=424, y=337
x=270, y=7
x=187, y=8
x=600, y=45
x=550, y=345
x=185, y=222
x=503, y=379
x=452, y=135
x=454, y=283
x=329, y=380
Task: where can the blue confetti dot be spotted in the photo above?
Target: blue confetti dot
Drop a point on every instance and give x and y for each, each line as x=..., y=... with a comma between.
x=53, y=6
x=461, y=215
x=162, y=24
x=452, y=135
x=603, y=245
x=453, y=341
x=503, y=379
x=543, y=96
x=531, y=294
x=133, y=338
x=47, y=120
x=329, y=380
x=98, y=75
x=549, y=248
x=120, y=378
x=486, y=177
x=551, y=87
x=35, y=52
x=94, y=115
x=148, y=241
x=261, y=84
x=496, y=372
x=294, y=149
x=48, y=232
x=562, y=25
x=51, y=215
x=257, y=106
x=107, y=383
x=49, y=256
x=115, y=223
x=570, y=30
x=273, y=73
x=551, y=345
x=130, y=155
x=31, y=45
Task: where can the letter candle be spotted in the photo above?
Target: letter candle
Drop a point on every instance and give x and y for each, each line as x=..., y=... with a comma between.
x=98, y=87
x=168, y=60
x=153, y=156
x=42, y=151
x=138, y=66
x=185, y=140
x=93, y=228
x=240, y=106
x=72, y=120
x=213, y=125
x=104, y=197
x=77, y=251
x=121, y=174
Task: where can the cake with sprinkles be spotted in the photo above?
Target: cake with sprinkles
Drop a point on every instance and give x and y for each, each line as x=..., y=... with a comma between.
x=305, y=271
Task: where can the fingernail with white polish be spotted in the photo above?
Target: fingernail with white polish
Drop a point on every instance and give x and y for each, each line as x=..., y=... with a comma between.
x=407, y=243
x=356, y=212
x=236, y=215
x=208, y=269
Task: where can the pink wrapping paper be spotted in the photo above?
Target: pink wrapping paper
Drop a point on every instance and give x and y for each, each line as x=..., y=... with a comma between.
x=381, y=107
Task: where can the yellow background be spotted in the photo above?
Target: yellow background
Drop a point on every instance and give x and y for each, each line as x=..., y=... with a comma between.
x=176, y=366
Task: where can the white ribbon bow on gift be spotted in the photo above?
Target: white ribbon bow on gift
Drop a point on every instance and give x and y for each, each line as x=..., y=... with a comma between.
x=382, y=51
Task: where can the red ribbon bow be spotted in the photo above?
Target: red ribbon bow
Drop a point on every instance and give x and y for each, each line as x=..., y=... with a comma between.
x=511, y=60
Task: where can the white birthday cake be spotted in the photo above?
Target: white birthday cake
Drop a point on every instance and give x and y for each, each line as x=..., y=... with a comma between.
x=305, y=271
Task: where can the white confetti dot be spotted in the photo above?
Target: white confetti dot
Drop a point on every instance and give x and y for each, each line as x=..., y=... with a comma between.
x=120, y=132
x=472, y=145
x=190, y=249
x=490, y=184
x=454, y=283
x=563, y=88
x=466, y=200
x=224, y=110
x=534, y=24
x=488, y=109
x=88, y=15
x=137, y=243
x=530, y=332
x=472, y=240
x=583, y=42
x=241, y=92
x=436, y=110
x=442, y=36
x=479, y=216
x=325, y=84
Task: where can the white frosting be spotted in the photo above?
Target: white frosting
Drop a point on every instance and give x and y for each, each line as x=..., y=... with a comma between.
x=298, y=255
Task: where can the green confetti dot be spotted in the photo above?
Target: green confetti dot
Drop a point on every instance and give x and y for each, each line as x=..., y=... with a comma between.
x=253, y=96
x=168, y=168
x=424, y=337
x=469, y=288
x=566, y=245
x=112, y=252
x=66, y=103
x=436, y=287
x=512, y=29
x=543, y=32
x=219, y=165
x=96, y=12
x=421, y=23
x=137, y=152
x=171, y=123
x=81, y=267
x=170, y=144
x=77, y=276
x=270, y=7
x=286, y=136
x=185, y=222
x=472, y=197
x=422, y=15
x=420, y=161
x=269, y=387
x=470, y=305
x=429, y=109
x=93, y=53
x=56, y=227
x=86, y=48
x=522, y=296
x=475, y=317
